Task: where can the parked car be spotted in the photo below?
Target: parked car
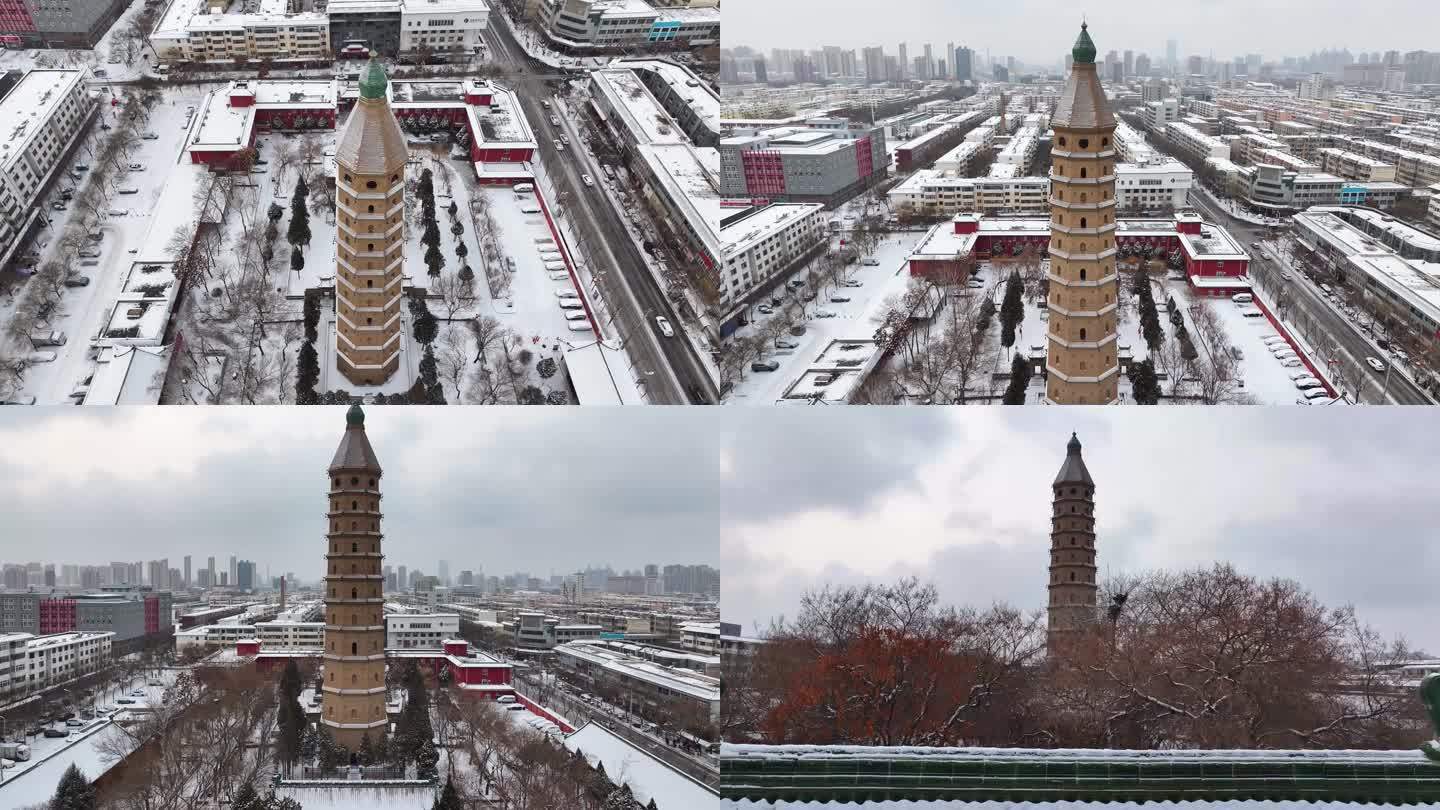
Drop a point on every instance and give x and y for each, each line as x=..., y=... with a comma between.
x=125, y=701
x=55, y=733
x=40, y=357
x=824, y=313
x=851, y=283
x=1314, y=394
x=566, y=294
x=1376, y=364
x=871, y=262
x=107, y=127
x=839, y=299
x=782, y=343
x=664, y=325
x=1308, y=382
x=77, y=281
x=764, y=309
x=137, y=167
x=58, y=205
x=128, y=190
x=768, y=365
x=1291, y=362
x=150, y=136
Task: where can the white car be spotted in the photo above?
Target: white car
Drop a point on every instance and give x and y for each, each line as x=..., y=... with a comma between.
x=1376, y=364
x=1288, y=354
x=824, y=313
x=1308, y=382
x=1272, y=339
x=664, y=325
x=137, y=167
x=587, y=180
x=566, y=294
x=1291, y=362
x=559, y=147
x=1315, y=394
x=1299, y=375
x=575, y=315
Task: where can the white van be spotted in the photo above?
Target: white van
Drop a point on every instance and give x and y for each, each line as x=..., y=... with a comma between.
x=505, y=699
x=1242, y=298
x=522, y=188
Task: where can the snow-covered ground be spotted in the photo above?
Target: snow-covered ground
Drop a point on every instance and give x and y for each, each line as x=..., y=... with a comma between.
x=112, y=54
x=648, y=777
x=84, y=311
x=34, y=781
x=855, y=319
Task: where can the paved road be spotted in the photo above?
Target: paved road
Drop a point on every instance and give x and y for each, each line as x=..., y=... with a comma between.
x=1347, y=345
x=558, y=697
x=671, y=370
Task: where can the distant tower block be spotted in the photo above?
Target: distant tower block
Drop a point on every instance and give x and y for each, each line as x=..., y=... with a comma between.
x=370, y=235
x=354, y=657
x=1080, y=364
x=1072, y=548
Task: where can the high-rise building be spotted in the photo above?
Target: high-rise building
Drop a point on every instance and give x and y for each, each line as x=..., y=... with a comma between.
x=1172, y=54
x=760, y=75
x=874, y=65
x=1196, y=66
x=1142, y=65
x=1072, y=548
x=402, y=580
x=442, y=570
x=1129, y=64
x=370, y=156
x=904, y=60
x=185, y=582
x=211, y=566
x=234, y=573
x=354, y=654
x=245, y=575
x=928, y=65
x=1080, y=361
x=964, y=63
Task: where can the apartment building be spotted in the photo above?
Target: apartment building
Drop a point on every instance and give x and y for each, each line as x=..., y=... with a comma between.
x=12, y=664
x=1355, y=166
x=40, y=118
x=1197, y=143
x=60, y=657
x=757, y=243
x=1162, y=185
x=191, y=31
x=1281, y=190
x=655, y=685
x=701, y=637
x=289, y=635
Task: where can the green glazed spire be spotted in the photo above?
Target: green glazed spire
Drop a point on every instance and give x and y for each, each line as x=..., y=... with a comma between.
x=373, y=81
x=355, y=417
x=1084, y=50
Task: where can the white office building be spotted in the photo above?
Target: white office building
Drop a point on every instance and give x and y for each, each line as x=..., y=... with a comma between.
x=39, y=118
x=442, y=25
x=409, y=631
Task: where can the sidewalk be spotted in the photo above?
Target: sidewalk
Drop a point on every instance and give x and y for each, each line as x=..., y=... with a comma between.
x=529, y=41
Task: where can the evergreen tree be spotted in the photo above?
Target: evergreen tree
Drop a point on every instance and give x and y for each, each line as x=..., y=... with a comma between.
x=297, y=260
x=1145, y=384
x=434, y=260
x=449, y=799
x=247, y=799
x=426, y=328
x=1012, y=309
x=74, y=791
x=425, y=758
x=312, y=317
x=987, y=312
x=1019, y=380
x=367, y=750
x=431, y=235
x=307, y=374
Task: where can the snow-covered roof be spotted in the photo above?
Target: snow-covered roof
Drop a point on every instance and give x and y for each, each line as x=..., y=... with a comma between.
x=359, y=797
x=648, y=777
x=25, y=110
x=601, y=375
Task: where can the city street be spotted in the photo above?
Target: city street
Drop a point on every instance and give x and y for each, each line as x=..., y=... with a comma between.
x=1301, y=302
x=673, y=372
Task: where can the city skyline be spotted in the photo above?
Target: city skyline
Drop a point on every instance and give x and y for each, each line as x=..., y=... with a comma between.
x=180, y=495
x=1030, y=31
x=966, y=503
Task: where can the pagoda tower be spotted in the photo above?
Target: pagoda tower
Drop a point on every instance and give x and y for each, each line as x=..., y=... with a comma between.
x=1072, y=548
x=354, y=658
x=370, y=157
x=1080, y=363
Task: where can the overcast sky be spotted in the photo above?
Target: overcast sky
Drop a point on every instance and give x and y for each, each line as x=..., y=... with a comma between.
x=506, y=489
x=1042, y=31
x=1342, y=500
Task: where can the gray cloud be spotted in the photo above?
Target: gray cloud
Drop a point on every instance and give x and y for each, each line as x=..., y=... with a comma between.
x=537, y=490
x=1340, y=501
